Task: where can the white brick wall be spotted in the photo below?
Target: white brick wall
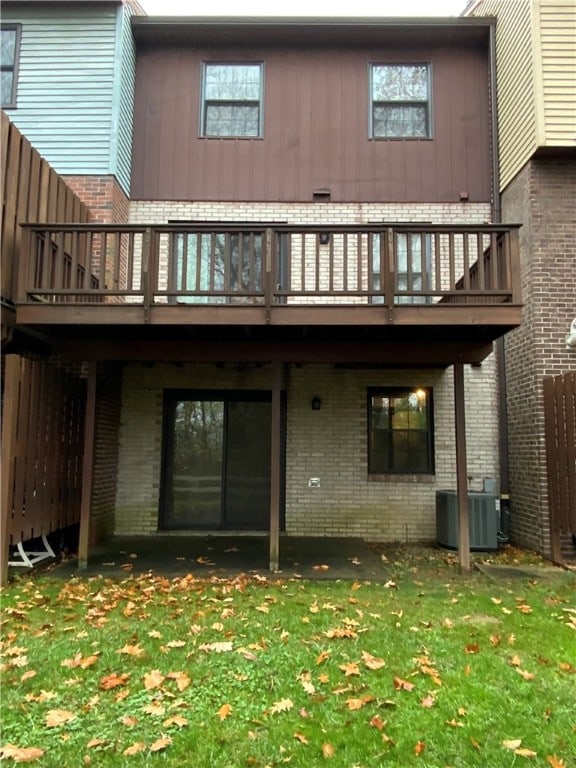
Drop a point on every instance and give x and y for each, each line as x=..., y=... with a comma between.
x=331, y=443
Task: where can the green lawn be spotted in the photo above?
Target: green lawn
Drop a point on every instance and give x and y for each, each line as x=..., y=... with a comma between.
x=429, y=670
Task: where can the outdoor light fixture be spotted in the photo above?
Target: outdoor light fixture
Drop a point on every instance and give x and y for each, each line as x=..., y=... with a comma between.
x=316, y=403
x=324, y=238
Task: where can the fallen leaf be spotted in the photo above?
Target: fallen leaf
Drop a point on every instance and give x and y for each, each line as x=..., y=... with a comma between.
x=322, y=657
x=21, y=754
x=512, y=743
x=474, y=743
x=390, y=585
x=523, y=752
x=428, y=701
x=354, y=704
x=472, y=648
x=128, y=720
x=419, y=747
x=153, y=679
x=160, y=744
x=454, y=723
x=300, y=737
x=555, y=762
x=181, y=678
x=177, y=720
x=137, y=747
x=96, y=743
x=526, y=675
x=515, y=661
x=372, y=662
x=175, y=644
x=350, y=669
x=132, y=650
x=281, y=706
x=495, y=640
x=403, y=685
x=114, y=681
x=222, y=647
x=322, y=567
x=58, y=717
x=27, y=675
x=224, y=711
x=328, y=750
x=155, y=709
x=341, y=632
x=377, y=722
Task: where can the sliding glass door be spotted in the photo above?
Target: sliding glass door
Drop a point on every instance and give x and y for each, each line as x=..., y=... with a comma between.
x=216, y=462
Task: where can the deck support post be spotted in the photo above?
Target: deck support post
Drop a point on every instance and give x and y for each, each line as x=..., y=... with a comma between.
x=88, y=466
x=275, y=458
x=9, y=431
x=461, y=470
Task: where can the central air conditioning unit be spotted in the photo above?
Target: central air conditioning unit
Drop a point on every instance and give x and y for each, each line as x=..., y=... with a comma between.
x=484, y=517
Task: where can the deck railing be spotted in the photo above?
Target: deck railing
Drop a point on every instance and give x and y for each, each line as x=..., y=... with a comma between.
x=228, y=264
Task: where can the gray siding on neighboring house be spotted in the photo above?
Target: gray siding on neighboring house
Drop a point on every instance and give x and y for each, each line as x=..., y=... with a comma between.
x=71, y=103
x=123, y=105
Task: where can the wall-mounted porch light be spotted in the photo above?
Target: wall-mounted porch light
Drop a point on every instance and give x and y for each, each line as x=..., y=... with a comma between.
x=316, y=403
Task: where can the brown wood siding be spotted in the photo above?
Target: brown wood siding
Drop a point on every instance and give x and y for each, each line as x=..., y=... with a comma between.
x=316, y=106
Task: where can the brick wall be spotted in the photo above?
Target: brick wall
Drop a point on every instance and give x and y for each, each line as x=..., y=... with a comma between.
x=329, y=444
x=106, y=451
x=104, y=197
x=543, y=198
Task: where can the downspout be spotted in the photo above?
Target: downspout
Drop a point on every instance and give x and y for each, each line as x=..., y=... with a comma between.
x=504, y=528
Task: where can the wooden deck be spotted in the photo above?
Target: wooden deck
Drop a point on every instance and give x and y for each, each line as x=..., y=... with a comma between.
x=206, y=276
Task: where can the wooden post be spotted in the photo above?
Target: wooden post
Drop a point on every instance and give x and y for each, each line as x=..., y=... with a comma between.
x=9, y=430
x=461, y=470
x=87, y=465
x=275, y=458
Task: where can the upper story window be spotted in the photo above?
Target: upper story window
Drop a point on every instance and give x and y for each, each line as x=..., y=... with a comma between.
x=10, y=47
x=232, y=100
x=400, y=101
x=400, y=431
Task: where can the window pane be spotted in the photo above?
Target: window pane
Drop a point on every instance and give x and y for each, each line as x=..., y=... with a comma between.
x=395, y=82
x=232, y=120
x=232, y=82
x=6, y=79
x=8, y=47
x=396, y=121
x=400, y=437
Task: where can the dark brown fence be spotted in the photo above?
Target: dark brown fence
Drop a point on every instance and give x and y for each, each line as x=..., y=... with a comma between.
x=31, y=191
x=560, y=426
x=44, y=458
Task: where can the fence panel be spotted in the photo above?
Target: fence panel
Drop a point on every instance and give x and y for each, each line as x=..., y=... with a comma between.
x=560, y=431
x=44, y=482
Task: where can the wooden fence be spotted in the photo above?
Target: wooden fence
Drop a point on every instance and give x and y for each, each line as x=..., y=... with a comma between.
x=31, y=191
x=43, y=461
x=560, y=430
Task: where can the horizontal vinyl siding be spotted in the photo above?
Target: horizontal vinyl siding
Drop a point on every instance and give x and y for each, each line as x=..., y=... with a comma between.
x=558, y=53
x=65, y=84
x=124, y=100
x=517, y=129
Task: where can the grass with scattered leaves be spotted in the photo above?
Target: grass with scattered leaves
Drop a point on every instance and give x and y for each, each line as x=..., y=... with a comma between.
x=430, y=670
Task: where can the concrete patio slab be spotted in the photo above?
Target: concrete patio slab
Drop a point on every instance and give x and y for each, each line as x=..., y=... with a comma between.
x=228, y=556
